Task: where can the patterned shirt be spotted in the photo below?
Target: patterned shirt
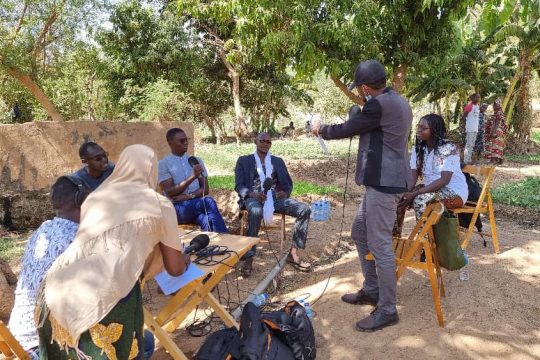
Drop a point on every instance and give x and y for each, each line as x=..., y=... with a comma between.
x=445, y=158
x=178, y=169
x=48, y=242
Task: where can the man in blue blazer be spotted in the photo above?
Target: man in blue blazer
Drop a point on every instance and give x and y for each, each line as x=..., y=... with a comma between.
x=264, y=186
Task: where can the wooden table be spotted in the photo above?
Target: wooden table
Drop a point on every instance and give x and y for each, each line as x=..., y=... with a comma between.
x=189, y=297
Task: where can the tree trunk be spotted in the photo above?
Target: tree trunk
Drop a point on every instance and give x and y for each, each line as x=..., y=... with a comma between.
x=241, y=127
x=341, y=86
x=38, y=93
x=398, y=81
x=523, y=117
x=210, y=123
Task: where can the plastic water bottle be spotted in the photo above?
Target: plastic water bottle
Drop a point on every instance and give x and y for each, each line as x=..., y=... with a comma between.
x=316, y=211
x=260, y=300
x=309, y=310
x=464, y=273
x=326, y=209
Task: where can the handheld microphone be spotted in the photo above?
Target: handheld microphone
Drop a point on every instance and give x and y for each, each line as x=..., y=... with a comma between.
x=267, y=184
x=192, y=160
x=197, y=243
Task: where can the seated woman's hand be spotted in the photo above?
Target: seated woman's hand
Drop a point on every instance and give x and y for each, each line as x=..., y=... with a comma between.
x=407, y=198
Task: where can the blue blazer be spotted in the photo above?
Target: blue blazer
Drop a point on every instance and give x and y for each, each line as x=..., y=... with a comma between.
x=244, y=175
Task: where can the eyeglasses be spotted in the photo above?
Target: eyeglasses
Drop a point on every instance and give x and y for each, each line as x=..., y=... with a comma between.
x=264, y=141
x=99, y=157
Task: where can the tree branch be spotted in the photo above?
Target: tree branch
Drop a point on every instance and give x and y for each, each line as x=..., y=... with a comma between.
x=21, y=19
x=40, y=41
x=354, y=98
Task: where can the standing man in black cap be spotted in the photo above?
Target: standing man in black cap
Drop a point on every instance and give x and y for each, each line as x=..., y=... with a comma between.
x=382, y=167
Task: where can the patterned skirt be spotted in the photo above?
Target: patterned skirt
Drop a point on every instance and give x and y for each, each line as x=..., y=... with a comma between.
x=494, y=147
x=119, y=336
x=449, y=198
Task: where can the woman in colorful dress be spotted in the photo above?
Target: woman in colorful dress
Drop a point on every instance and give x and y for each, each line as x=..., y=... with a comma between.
x=495, y=134
x=91, y=303
x=436, y=160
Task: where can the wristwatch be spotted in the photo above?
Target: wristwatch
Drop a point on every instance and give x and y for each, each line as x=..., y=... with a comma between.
x=192, y=196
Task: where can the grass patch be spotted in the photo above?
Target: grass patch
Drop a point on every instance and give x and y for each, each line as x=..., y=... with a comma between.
x=299, y=188
x=524, y=193
x=536, y=136
x=524, y=159
x=222, y=158
x=12, y=247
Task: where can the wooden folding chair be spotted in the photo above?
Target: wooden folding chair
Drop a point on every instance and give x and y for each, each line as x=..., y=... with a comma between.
x=408, y=253
x=9, y=346
x=483, y=205
x=280, y=225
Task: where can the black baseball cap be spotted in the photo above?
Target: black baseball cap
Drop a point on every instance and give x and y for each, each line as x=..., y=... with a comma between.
x=368, y=72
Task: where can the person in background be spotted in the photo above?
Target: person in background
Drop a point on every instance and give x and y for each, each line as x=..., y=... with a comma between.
x=187, y=185
x=495, y=135
x=97, y=166
x=471, y=114
x=436, y=160
x=90, y=305
x=46, y=243
x=478, y=150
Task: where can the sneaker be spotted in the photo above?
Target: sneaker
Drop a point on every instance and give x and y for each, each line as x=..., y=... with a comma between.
x=360, y=298
x=377, y=320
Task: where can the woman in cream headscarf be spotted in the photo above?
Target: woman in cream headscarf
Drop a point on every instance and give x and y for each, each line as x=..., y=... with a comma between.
x=91, y=303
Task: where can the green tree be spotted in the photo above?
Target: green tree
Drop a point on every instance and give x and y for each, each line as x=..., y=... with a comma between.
x=523, y=27
x=34, y=35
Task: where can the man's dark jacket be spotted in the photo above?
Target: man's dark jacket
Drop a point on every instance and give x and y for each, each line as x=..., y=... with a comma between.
x=244, y=173
x=384, y=125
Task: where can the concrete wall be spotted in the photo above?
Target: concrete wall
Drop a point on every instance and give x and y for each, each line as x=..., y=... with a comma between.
x=33, y=155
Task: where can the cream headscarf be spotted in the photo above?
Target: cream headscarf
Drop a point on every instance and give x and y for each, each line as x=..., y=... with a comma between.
x=122, y=223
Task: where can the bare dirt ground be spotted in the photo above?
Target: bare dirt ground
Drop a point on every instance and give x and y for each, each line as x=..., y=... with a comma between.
x=495, y=315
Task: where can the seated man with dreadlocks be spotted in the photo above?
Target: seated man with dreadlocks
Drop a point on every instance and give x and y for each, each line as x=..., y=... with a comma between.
x=436, y=160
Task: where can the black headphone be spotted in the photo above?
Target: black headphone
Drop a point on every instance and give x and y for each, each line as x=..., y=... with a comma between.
x=82, y=189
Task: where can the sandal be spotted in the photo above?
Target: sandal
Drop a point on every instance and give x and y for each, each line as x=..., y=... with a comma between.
x=298, y=265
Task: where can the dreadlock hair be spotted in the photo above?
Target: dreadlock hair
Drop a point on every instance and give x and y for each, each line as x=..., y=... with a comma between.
x=438, y=131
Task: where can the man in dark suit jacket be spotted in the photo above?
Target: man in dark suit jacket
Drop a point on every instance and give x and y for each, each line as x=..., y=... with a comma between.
x=250, y=189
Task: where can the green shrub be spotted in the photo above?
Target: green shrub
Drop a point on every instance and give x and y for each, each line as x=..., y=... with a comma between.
x=524, y=193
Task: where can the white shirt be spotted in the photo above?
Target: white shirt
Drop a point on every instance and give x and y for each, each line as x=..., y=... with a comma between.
x=446, y=159
x=473, y=117
x=48, y=242
x=178, y=169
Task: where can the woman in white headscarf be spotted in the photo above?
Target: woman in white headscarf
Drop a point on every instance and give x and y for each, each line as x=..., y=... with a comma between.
x=91, y=302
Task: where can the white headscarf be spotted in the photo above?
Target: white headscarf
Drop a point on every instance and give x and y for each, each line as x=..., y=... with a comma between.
x=122, y=223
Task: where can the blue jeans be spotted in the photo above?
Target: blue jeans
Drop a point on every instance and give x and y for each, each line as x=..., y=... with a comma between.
x=285, y=206
x=149, y=344
x=195, y=211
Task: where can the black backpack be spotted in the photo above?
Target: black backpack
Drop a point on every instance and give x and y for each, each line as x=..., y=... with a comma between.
x=280, y=335
x=474, y=194
x=294, y=328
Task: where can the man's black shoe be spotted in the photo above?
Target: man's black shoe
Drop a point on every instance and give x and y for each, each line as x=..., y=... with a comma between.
x=376, y=321
x=359, y=298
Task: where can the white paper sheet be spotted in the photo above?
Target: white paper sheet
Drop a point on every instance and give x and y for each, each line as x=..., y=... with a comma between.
x=170, y=284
